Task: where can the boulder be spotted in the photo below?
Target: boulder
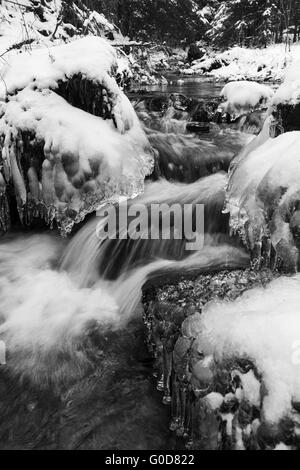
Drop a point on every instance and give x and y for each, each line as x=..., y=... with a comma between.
x=195, y=52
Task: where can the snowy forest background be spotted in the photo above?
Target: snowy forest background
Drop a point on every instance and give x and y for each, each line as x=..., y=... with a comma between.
x=243, y=22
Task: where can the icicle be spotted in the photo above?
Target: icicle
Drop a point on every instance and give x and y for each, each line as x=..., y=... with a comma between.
x=34, y=186
x=48, y=183
x=48, y=190
x=4, y=206
x=183, y=398
x=6, y=157
x=160, y=384
x=175, y=423
x=19, y=184
x=167, y=358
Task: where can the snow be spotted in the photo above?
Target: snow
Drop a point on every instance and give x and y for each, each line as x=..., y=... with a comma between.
x=289, y=91
x=214, y=400
x=88, y=159
x=242, y=96
x=251, y=388
x=42, y=24
x=31, y=26
x=241, y=63
x=19, y=24
x=92, y=56
x=263, y=325
x=100, y=19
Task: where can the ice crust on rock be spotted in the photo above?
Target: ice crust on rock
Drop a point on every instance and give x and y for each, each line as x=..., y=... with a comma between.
x=263, y=192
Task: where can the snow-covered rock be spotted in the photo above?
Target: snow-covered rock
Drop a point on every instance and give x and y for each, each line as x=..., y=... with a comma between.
x=263, y=197
x=70, y=137
x=234, y=368
x=241, y=63
x=244, y=96
x=262, y=325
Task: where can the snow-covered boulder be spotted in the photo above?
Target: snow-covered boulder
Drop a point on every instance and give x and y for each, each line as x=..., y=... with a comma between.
x=70, y=138
x=263, y=197
x=263, y=324
x=244, y=96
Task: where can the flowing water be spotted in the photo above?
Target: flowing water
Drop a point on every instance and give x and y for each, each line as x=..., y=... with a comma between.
x=192, y=87
x=70, y=310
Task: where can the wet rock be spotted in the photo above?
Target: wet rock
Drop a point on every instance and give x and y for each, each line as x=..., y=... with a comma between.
x=288, y=116
x=195, y=52
x=197, y=127
x=204, y=112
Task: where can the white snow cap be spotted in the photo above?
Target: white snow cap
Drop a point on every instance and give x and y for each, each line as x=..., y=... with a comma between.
x=90, y=140
x=263, y=325
x=244, y=95
x=42, y=68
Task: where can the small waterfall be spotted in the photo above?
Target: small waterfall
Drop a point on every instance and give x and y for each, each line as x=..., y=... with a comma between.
x=127, y=289
x=87, y=257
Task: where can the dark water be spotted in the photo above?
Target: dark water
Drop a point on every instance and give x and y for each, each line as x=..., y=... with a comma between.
x=192, y=87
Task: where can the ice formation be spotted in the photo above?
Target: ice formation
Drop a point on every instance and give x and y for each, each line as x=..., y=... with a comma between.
x=70, y=137
x=243, y=96
x=263, y=199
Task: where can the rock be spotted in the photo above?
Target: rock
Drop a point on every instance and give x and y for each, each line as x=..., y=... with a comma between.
x=195, y=52
x=196, y=127
x=288, y=116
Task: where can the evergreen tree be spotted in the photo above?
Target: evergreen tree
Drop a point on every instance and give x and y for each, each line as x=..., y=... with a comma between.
x=224, y=23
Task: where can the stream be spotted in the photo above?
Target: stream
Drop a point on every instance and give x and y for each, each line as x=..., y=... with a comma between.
x=71, y=313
